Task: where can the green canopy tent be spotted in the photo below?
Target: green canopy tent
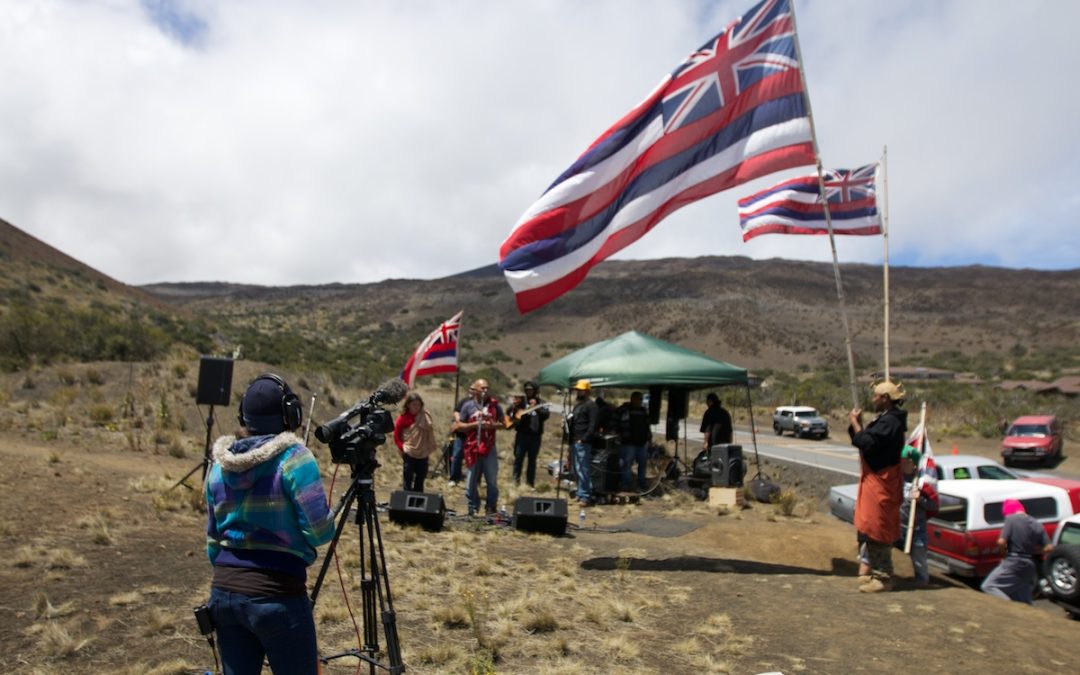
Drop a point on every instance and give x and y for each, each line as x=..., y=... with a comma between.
x=635, y=359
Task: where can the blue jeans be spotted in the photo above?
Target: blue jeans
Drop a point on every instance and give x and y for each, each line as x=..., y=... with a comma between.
x=249, y=627
x=631, y=454
x=526, y=447
x=457, y=459
x=583, y=467
x=488, y=465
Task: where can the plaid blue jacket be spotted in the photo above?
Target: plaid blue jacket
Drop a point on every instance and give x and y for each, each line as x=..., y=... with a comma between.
x=266, y=504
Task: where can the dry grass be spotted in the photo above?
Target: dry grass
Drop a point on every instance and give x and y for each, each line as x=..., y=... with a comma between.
x=57, y=642
x=63, y=559
x=43, y=609
x=125, y=599
x=158, y=621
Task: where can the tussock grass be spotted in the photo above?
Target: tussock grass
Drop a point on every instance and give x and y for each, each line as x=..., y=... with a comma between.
x=442, y=653
x=452, y=616
x=63, y=559
x=622, y=610
x=43, y=609
x=541, y=621
x=620, y=648
x=785, y=502
x=56, y=642
x=125, y=599
x=158, y=621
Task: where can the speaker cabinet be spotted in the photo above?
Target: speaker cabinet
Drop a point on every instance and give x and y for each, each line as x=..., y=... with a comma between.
x=215, y=381
x=656, y=398
x=678, y=403
x=535, y=514
x=606, y=469
x=726, y=465
x=418, y=508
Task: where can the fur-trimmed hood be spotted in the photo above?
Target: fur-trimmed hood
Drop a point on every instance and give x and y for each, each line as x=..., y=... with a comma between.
x=237, y=456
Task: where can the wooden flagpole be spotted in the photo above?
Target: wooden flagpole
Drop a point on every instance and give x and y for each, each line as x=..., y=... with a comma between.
x=828, y=218
x=457, y=369
x=885, y=239
x=914, y=485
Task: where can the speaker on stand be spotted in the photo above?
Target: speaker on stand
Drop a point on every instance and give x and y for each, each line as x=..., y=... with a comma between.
x=214, y=388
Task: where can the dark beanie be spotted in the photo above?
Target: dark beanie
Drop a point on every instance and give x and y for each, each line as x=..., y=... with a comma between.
x=261, y=407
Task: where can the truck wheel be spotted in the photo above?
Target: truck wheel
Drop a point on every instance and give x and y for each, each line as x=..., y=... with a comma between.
x=777, y=429
x=1062, y=572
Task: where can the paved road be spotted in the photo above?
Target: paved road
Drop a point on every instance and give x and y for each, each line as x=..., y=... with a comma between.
x=831, y=454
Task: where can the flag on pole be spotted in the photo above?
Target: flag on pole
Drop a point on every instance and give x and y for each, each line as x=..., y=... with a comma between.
x=919, y=440
x=734, y=110
x=795, y=207
x=437, y=353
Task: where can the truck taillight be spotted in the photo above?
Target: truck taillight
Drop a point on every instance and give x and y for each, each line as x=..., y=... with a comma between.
x=971, y=546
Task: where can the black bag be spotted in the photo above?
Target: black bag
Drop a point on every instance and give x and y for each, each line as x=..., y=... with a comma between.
x=763, y=489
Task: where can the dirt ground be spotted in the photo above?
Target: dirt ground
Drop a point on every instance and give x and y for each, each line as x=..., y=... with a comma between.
x=104, y=565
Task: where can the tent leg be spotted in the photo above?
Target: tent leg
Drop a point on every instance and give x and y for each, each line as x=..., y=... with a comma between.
x=562, y=444
x=753, y=427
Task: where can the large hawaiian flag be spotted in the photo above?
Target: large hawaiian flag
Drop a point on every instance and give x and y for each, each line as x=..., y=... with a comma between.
x=733, y=111
x=437, y=353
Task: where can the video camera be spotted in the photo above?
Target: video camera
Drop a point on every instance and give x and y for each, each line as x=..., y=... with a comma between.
x=355, y=444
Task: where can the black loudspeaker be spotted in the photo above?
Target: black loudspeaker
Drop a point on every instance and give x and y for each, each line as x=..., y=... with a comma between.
x=606, y=470
x=678, y=403
x=418, y=508
x=215, y=381
x=534, y=514
x=671, y=428
x=726, y=465
x=656, y=397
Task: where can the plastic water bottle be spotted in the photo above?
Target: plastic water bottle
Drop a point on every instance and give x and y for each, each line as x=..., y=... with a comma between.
x=581, y=518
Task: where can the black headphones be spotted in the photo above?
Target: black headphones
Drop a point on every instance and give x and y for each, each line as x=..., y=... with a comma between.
x=292, y=412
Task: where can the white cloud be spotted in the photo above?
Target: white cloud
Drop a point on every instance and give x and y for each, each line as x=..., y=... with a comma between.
x=340, y=141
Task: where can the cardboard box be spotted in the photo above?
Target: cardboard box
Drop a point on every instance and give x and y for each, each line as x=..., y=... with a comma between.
x=731, y=498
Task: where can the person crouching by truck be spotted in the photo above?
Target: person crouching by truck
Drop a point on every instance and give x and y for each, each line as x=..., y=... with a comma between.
x=1022, y=539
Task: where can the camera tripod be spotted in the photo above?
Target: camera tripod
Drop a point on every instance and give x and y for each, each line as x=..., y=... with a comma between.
x=374, y=583
x=207, y=459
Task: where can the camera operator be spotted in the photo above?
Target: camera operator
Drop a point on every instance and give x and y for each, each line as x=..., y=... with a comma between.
x=480, y=417
x=267, y=513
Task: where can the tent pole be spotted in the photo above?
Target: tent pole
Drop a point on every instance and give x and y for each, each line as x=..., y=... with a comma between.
x=753, y=427
x=562, y=443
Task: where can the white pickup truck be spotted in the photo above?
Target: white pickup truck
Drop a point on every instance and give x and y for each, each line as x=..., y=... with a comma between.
x=1060, y=580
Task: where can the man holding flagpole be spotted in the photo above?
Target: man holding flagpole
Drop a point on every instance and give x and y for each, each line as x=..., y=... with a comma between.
x=877, y=506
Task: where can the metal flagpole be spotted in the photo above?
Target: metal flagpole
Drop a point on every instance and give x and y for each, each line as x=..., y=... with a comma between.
x=828, y=218
x=885, y=238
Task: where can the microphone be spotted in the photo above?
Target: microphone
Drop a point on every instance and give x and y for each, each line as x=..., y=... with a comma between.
x=391, y=391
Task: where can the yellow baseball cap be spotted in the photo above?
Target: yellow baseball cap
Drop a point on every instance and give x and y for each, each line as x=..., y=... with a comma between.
x=582, y=385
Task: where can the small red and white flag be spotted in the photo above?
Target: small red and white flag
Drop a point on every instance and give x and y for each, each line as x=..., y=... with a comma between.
x=919, y=440
x=437, y=353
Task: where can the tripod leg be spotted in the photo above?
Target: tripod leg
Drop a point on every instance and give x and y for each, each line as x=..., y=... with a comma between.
x=381, y=584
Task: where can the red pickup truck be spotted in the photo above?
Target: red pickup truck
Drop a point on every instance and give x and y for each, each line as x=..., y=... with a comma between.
x=962, y=536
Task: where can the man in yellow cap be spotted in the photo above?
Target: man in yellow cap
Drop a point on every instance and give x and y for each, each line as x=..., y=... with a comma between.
x=582, y=429
x=877, y=506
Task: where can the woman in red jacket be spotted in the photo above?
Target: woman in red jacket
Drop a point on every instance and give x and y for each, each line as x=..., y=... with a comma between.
x=415, y=438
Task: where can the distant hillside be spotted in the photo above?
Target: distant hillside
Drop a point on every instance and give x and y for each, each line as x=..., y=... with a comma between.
x=771, y=314
x=53, y=307
x=768, y=315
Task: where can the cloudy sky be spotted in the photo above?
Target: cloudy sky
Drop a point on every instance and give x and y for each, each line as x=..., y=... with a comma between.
x=286, y=142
